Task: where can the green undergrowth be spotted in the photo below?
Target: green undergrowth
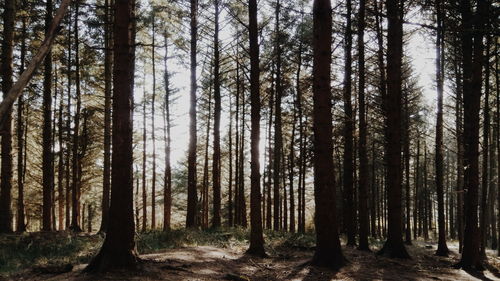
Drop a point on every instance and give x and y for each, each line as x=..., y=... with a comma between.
x=19, y=252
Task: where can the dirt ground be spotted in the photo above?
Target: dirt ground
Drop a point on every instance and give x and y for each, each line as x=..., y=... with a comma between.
x=212, y=263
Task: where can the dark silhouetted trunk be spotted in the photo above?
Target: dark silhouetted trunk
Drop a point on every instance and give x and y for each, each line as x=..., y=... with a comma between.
x=75, y=185
x=347, y=161
x=108, y=56
x=472, y=63
x=118, y=250
x=144, y=147
x=167, y=186
x=153, y=129
x=216, y=163
x=191, y=188
x=256, y=236
x=442, y=249
x=9, y=14
x=328, y=252
x=394, y=246
x=363, y=157
x=21, y=139
x=47, y=167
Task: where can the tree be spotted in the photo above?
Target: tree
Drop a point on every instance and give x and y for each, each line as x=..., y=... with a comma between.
x=6, y=144
x=167, y=186
x=192, y=194
x=442, y=249
x=108, y=56
x=75, y=184
x=118, y=250
x=363, y=158
x=471, y=33
x=256, y=237
x=278, y=135
x=394, y=246
x=328, y=252
x=48, y=168
x=347, y=176
x=216, y=164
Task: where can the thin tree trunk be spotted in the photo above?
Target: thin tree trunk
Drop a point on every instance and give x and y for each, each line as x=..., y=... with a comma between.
x=192, y=193
x=144, y=156
x=153, y=129
x=278, y=135
x=363, y=157
x=216, y=161
x=347, y=163
x=442, y=249
x=75, y=188
x=21, y=220
x=108, y=56
x=47, y=170
x=167, y=187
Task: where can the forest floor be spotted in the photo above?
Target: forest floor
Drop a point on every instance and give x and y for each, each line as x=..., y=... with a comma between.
x=220, y=256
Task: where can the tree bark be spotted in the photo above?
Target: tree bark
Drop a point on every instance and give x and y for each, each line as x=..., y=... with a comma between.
x=256, y=237
x=47, y=158
x=394, y=246
x=153, y=129
x=347, y=160
x=328, y=252
x=442, y=249
x=216, y=161
x=108, y=56
x=363, y=157
x=192, y=193
x=9, y=14
x=75, y=186
x=118, y=250
x=167, y=187
x=472, y=56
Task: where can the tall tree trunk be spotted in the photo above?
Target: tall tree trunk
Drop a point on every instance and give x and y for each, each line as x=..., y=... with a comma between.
x=256, y=236
x=406, y=159
x=347, y=161
x=442, y=249
x=153, y=129
x=144, y=156
x=75, y=187
x=60, y=164
x=192, y=193
x=270, y=154
x=216, y=162
x=108, y=56
x=205, y=183
x=394, y=246
x=9, y=14
x=47, y=170
x=68, y=165
x=278, y=135
x=460, y=147
x=363, y=157
x=328, y=252
x=485, y=176
x=417, y=199
x=472, y=55
x=118, y=250
x=167, y=187
x=230, y=216
x=21, y=220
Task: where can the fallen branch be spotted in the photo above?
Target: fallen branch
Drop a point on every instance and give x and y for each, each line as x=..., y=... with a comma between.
x=26, y=76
